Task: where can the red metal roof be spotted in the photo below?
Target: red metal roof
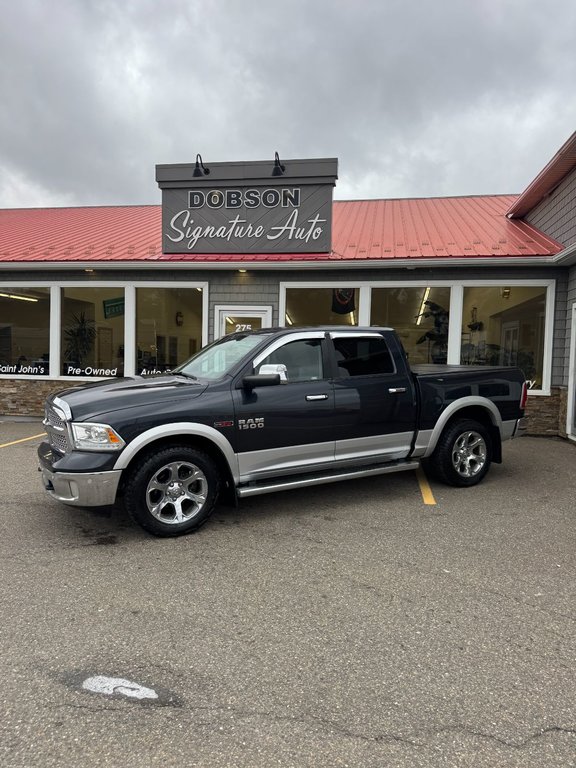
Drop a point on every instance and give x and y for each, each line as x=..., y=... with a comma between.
x=127, y=233
x=371, y=230
x=549, y=177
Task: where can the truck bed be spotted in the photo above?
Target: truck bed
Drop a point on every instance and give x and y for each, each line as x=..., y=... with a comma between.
x=440, y=385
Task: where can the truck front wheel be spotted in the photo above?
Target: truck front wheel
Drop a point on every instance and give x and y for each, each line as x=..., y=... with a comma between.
x=463, y=454
x=173, y=491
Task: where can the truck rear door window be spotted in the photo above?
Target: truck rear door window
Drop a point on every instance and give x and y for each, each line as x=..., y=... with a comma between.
x=362, y=356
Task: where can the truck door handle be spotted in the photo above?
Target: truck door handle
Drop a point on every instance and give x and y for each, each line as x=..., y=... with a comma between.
x=316, y=397
x=396, y=390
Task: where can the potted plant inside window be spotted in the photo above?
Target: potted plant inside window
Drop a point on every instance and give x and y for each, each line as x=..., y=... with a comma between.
x=79, y=339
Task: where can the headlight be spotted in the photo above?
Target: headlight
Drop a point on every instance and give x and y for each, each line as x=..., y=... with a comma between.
x=96, y=437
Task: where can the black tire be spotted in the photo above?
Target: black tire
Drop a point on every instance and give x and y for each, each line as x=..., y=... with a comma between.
x=173, y=491
x=463, y=454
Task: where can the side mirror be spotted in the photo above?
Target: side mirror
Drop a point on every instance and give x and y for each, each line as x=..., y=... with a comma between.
x=260, y=380
x=279, y=368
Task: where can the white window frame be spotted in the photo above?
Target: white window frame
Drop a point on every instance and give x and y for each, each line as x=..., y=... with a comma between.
x=242, y=310
x=456, y=309
x=571, y=405
x=129, y=289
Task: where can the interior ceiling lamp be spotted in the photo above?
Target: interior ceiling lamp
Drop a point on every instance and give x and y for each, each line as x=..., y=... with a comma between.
x=17, y=296
x=278, y=169
x=200, y=169
x=422, y=309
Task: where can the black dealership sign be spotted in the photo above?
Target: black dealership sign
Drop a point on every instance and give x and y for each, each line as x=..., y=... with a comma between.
x=253, y=207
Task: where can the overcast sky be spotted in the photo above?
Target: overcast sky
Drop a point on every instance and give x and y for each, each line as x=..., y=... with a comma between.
x=416, y=98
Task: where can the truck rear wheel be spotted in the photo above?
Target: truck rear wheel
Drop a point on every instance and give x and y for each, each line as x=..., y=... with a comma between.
x=172, y=492
x=463, y=454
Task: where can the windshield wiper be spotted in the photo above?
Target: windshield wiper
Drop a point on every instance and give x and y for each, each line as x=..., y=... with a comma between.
x=186, y=375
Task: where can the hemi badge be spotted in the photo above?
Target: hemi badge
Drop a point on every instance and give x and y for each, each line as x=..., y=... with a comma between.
x=223, y=423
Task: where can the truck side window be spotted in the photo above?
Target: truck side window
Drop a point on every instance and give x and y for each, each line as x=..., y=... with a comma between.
x=302, y=358
x=362, y=356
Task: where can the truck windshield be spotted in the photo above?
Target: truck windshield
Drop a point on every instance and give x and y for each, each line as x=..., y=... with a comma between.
x=217, y=359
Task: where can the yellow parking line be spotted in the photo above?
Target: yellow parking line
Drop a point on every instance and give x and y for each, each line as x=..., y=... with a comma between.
x=425, y=490
x=23, y=440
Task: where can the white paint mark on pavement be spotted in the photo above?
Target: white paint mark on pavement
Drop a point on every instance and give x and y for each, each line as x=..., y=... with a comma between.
x=118, y=685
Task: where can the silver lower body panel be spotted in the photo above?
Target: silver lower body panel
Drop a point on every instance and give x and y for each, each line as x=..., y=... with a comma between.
x=321, y=479
x=96, y=489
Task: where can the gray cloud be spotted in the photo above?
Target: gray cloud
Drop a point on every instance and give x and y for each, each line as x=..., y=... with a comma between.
x=415, y=98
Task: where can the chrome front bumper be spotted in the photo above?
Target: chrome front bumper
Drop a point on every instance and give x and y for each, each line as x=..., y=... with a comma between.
x=96, y=489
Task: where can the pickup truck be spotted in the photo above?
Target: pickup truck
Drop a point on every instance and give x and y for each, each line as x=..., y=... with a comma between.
x=270, y=410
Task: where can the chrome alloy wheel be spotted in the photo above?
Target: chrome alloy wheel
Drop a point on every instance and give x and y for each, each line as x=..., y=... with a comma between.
x=469, y=454
x=177, y=492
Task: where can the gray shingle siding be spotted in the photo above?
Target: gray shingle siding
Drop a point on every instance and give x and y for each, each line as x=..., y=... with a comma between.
x=556, y=214
x=559, y=343
x=570, y=301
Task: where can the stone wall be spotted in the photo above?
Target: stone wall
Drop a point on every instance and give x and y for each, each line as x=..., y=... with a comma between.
x=563, y=411
x=26, y=398
x=544, y=415
x=547, y=415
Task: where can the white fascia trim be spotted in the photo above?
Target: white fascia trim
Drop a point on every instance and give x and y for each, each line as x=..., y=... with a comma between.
x=494, y=261
x=494, y=282
x=104, y=283
x=567, y=257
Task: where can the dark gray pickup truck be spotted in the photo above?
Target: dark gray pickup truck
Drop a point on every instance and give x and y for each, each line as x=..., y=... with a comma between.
x=259, y=412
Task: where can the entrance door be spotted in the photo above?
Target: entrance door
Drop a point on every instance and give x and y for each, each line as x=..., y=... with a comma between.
x=230, y=318
x=509, y=343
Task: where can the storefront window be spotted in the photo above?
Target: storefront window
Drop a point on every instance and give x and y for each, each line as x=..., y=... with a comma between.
x=24, y=331
x=505, y=326
x=321, y=306
x=92, y=333
x=419, y=316
x=168, y=327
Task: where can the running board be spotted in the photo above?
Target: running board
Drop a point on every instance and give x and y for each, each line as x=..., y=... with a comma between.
x=320, y=479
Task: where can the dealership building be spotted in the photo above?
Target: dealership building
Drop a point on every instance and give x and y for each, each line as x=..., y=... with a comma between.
x=92, y=292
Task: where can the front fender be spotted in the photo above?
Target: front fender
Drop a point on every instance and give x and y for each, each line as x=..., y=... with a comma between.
x=190, y=429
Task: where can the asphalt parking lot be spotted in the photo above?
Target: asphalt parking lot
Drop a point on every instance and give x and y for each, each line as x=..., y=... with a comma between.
x=345, y=625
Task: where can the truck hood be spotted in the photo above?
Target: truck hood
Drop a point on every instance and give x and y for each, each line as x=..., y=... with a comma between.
x=89, y=400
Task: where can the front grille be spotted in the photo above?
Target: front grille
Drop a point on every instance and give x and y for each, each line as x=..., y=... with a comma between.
x=58, y=441
x=56, y=430
x=52, y=419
